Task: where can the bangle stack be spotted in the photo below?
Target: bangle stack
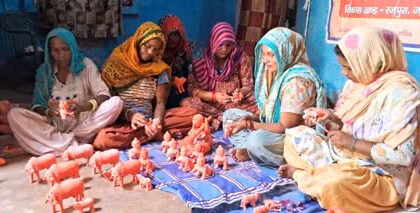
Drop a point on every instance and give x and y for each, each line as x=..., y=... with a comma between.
x=94, y=105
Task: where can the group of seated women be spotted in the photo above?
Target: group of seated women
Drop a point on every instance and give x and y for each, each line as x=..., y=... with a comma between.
x=274, y=108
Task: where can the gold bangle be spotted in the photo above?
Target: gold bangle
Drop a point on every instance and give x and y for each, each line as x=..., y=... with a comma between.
x=94, y=104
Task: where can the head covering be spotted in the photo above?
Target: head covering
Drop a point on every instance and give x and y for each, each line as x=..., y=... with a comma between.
x=171, y=23
x=205, y=68
x=45, y=75
x=123, y=66
x=290, y=52
x=371, y=52
x=377, y=53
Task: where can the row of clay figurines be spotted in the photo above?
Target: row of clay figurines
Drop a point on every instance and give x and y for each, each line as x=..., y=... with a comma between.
x=190, y=151
x=69, y=169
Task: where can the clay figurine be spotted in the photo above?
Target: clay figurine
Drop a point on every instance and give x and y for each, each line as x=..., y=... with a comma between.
x=122, y=169
x=144, y=157
x=220, y=158
x=197, y=128
x=58, y=172
x=65, y=109
x=134, y=152
x=166, y=142
x=36, y=164
x=237, y=96
x=66, y=189
x=200, y=168
x=145, y=183
x=111, y=156
x=76, y=152
x=149, y=167
x=85, y=203
x=173, y=151
x=250, y=199
x=262, y=209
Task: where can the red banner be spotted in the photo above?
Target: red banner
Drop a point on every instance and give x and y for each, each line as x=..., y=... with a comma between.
x=405, y=9
x=400, y=16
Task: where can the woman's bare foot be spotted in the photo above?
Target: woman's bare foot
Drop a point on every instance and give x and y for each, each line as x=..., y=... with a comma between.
x=287, y=171
x=239, y=155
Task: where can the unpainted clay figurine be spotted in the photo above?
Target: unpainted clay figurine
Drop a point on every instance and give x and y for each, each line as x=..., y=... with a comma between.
x=200, y=168
x=111, y=156
x=261, y=209
x=250, y=199
x=182, y=156
x=149, y=167
x=65, y=109
x=166, y=142
x=196, y=129
x=145, y=183
x=144, y=157
x=134, y=152
x=122, y=169
x=58, y=172
x=36, y=164
x=85, y=203
x=220, y=158
x=173, y=151
x=76, y=152
x=66, y=189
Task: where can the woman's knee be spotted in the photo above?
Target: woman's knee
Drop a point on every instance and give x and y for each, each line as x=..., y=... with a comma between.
x=15, y=115
x=234, y=114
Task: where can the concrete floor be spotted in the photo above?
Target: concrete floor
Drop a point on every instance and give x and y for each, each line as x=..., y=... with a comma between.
x=17, y=195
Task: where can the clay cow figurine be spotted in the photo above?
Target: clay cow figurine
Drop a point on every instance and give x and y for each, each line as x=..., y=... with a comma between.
x=36, y=164
x=66, y=189
x=76, y=152
x=111, y=156
x=134, y=153
x=220, y=158
x=262, y=209
x=58, y=172
x=166, y=142
x=85, y=203
x=145, y=183
x=122, y=169
x=250, y=199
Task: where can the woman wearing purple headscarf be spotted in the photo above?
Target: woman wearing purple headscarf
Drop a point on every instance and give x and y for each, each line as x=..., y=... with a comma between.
x=222, y=78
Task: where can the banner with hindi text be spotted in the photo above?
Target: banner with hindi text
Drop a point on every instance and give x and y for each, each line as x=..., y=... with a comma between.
x=400, y=16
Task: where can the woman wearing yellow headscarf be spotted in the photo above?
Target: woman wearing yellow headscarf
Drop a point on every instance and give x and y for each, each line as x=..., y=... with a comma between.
x=365, y=165
x=136, y=73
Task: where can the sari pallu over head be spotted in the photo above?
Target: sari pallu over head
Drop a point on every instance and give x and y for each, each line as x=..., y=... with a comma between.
x=171, y=23
x=377, y=60
x=205, y=69
x=290, y=53
x=45, y=75
x=376, y=57
x=123, y=66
